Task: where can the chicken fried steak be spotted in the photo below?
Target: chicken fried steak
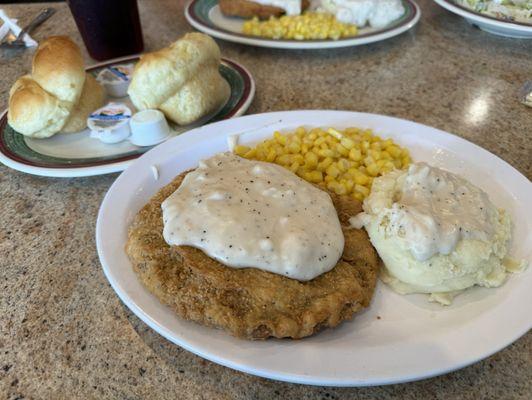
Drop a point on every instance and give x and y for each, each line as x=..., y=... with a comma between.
x=251, y=303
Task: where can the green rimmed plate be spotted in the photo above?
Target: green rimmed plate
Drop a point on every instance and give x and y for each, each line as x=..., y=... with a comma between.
x=76, y=155
x=205, y=16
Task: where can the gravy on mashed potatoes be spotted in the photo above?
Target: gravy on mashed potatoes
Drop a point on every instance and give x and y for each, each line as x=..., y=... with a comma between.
x=435, y=232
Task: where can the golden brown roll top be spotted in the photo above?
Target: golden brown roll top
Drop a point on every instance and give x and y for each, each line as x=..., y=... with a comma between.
x=182, y=80
x=58, y=68
x=58, y=94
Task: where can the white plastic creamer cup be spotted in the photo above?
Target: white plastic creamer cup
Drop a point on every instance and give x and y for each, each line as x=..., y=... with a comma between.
x=116, y=79
x=110, y=124
x=148, y=127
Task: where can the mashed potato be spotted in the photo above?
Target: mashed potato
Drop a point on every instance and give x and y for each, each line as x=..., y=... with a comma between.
x=435, y=232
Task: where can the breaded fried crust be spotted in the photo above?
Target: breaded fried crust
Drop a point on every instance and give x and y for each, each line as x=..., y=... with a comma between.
x=250, y=9
x=251, y=303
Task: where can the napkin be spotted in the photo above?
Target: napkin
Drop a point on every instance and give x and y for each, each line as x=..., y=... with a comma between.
x=10, y=24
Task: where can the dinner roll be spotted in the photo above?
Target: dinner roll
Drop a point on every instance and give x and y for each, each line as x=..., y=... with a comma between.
x=204, y=93
x=182, y=80
x=33, y=111
x=58, y=95
x=58, y=68
x=92, y=98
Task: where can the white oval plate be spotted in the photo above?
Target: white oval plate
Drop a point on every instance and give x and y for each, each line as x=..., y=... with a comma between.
x=205, y=16
x=399, y=338
x=489, y=24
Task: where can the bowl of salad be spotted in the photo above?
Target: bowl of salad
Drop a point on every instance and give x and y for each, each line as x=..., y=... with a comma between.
x=512, y=18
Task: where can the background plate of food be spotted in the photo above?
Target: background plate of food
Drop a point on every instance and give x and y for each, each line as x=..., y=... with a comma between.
x=51, y=147
x=392, y=337
x=295, y=24
x=512, y=19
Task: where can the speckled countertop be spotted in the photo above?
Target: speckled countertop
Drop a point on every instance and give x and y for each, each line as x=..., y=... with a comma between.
x=64, y=333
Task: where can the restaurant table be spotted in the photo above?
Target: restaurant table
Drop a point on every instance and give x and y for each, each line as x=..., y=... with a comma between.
x=64, y=333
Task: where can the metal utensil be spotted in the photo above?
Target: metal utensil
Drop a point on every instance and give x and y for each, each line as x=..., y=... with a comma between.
x=13, y=41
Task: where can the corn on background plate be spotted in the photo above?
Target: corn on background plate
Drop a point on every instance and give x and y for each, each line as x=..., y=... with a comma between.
x=399, y=338
x=205, y=16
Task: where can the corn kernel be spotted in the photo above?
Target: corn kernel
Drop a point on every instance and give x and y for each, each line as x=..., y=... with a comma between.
x=332, y=170
x=280, y=138
x=343, y=151
x=241, y=150
x=251, y=154
x=311, y=160
x=261, y=154
x=361, y=179
x=373, y=169
x=315, y=176
x=284, y=159
x=355, y=154
x=279, y=150
x=331, y=140
x=319, y=141
x=270, y=157
x=376, y=154
x=368, y=161
x=347, y=143
x=349, y=185
x=322, y=165
x=294, y=147
x=300, y=132
x=362, y=189
x=299, y=158
x=393, y=150
x=340, y=189
x=294, y=167
x=335, y=133
x=332, y=184
x=343, y=164
x=358, y=196
x=326, y=153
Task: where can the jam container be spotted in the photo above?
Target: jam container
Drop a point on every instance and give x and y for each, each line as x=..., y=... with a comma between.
x=110, y=123
x=116, y=79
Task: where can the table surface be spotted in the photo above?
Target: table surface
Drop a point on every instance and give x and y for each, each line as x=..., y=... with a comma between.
x=63, y=331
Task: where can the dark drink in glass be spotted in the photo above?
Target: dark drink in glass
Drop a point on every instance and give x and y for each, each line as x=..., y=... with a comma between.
x=109, y=28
